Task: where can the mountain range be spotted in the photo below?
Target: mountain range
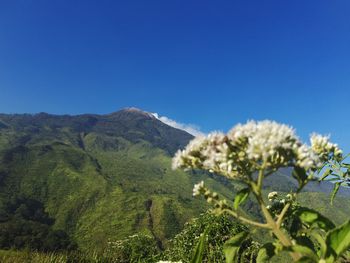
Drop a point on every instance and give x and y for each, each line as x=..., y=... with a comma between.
x=102, y=178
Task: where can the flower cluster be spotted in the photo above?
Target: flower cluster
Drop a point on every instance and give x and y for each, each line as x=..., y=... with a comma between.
x=271, y=196
x=248, y=147
x=191, y=156
x=211, y=197
x=212, y=153
x=266, y=140
x=276, y=202
x=324, y=148
x=198, y=189
x=306, y=158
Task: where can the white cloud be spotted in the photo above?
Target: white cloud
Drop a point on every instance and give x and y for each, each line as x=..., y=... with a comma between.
x=190, y=128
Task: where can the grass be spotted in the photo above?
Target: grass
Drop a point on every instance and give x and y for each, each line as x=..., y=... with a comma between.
x=12, y=256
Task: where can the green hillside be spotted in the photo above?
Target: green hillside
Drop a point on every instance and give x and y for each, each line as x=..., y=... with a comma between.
x=100, y=177
x=104, y=177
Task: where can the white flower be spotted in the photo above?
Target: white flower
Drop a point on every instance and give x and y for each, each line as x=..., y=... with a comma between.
x=306, y=158
x=266, y=141
x=249, y=146
x=243, y=130
x=212, y=153
x=323, y=147
x=216, y=151
x=198, y=188
x=320, y=143
x=190, y=157
x=177, y=161
x=271, y=196
x=289, y=197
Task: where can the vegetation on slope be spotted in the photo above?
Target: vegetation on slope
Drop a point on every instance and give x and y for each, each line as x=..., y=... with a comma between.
x=103, y=178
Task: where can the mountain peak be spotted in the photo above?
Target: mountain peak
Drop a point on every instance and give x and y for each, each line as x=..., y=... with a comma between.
x=134, y=110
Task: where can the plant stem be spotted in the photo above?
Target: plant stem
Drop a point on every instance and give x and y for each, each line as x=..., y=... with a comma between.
x=285, y=240
x=282, y=214
x=275, y=228
x=260, y=179
x=246, y=220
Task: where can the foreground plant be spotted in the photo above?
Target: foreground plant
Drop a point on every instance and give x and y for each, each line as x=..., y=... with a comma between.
x=135, y=248
x=217, y=229
x=250, y=153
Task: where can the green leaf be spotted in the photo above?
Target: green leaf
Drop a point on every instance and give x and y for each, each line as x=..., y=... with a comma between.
x=335, y=191
x=305, y=251
x=326, y=174
x=345, y=184
x=305, y=260
x=199, y=252
x=346, y=165
x=346, y=156
x=338, y=240
x=321, y=241
x=241, y=196
x=336, y=178
x=305, y=241
x=314, y=218
x=232, y=246
x=266, y=252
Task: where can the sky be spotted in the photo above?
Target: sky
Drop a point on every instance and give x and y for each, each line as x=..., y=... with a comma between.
x=211, y=64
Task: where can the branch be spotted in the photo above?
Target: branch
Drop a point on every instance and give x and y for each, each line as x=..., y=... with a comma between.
x=246, y=220
x=282, y=214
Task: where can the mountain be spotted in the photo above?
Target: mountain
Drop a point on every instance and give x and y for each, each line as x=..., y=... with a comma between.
x=283, y=181
x=104, y=177
x=100, y=177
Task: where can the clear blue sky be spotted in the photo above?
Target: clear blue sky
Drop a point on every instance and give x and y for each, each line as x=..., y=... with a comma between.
x=211, y=63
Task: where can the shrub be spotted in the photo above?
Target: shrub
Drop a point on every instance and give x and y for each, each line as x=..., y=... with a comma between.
x=250, y=153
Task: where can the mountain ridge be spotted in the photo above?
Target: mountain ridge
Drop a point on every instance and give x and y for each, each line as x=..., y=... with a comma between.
x=104, y=177
x=97, y=174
